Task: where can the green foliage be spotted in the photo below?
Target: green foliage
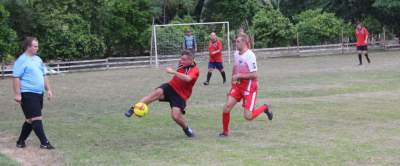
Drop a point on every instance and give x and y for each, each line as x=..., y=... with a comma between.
x=391, y=4
x=8, y=36
x=129, y=27
x=318, y=27
x=67, y=36
x=237, y=12
x=373, y=25
x=271, y=29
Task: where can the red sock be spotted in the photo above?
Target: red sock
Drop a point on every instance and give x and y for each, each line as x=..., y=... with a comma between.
x=226, y=116
x=259, y=110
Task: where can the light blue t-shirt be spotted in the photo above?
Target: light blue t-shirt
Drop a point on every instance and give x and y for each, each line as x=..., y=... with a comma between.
x=31, y=71
x=190, y=42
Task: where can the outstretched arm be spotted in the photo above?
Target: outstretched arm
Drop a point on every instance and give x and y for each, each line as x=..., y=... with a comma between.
x=181, y=76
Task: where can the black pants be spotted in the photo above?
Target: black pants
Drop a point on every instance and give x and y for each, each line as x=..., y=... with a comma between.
x=32, y=104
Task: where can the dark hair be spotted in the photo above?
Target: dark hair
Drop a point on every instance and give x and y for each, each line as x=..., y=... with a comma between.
x=25, y=44
x=187, y=52
x=28, y=42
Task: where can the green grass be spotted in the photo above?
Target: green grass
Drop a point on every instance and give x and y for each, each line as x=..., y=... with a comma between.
x=328, y=111
x=4, y=161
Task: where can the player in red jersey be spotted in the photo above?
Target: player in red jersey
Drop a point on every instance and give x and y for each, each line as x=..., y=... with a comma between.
x=362, y=42
x=244, y=85
x=215, y=61
x=177, y=91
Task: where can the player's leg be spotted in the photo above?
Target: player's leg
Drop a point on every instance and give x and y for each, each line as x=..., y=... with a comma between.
x=250, y=112
x=209, y=73
x=226, y=115
x=365, y=51
x=27, y=125
x=359, y=51
x=148, y=99
x=221, y=70
x=177, y=116
x=152, y=96
x=25, y=132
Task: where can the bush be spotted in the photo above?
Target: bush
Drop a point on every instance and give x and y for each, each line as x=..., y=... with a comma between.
x=318, y=27
x=373, y=25
x=8, y=36
x=272, y=29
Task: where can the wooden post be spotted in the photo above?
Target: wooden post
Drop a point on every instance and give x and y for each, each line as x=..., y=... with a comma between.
x=298, y=43
x=107, y=64
x=384, y=38
x=2, y=70
x=58, y=66
x=342, y=42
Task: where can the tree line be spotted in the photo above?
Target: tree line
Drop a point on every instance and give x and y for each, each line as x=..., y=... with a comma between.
x=75, y=29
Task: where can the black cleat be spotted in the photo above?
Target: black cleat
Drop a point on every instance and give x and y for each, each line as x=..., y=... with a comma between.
x=189, y=132
x=48, y=146
x=20, y=144
x=270, y=115
x=223, y=135
x=129, y=113
x=206, y=83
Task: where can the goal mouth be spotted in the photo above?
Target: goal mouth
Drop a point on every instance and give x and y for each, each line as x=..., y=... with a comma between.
x=169, y=40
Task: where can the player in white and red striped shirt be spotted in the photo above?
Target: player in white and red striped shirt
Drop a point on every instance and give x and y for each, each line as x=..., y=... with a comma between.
x=244, y=85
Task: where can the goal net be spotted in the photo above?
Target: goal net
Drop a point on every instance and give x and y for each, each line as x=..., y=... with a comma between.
x=167, y=40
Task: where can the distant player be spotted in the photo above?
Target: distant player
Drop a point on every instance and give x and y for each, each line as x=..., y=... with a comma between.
x=362, y=42
x=215, y=61
x=189, y=42
x=244, y=85
x=177, y=91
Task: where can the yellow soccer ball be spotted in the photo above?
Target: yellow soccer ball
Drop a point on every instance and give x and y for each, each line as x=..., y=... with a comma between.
x=140, y=109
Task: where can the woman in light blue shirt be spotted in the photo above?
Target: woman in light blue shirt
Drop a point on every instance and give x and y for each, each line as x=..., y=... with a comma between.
x=30, y=82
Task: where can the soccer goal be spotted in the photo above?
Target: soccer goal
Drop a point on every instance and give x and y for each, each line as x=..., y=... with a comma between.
x=167, y=41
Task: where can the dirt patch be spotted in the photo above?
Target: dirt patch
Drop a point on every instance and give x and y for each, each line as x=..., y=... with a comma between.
x=32, y=155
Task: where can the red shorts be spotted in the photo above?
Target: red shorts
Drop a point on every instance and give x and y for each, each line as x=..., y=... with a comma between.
x=248, y=93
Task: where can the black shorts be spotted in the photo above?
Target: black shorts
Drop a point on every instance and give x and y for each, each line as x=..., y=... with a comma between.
x=362, y=48
x=215, y=65
x=32, y=104
x=172, y=97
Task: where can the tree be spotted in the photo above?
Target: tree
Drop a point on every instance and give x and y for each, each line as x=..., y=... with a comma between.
x=318, y=27
x=236, y=12
x=390, y=13
x=129, y=27
x=8, y=36
x=272, y=29
x=349, y=10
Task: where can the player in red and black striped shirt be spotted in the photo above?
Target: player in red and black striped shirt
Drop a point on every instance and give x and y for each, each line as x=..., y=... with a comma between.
x=177, y=91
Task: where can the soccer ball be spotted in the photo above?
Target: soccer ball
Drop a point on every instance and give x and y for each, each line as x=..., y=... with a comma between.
x=140, y=109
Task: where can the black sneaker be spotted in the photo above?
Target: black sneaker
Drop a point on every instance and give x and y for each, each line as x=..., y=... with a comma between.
x=47, y=146
x=223, y=135
x=270, y=115
x=20, y=144
x=206, y=83
x=189, y=132
x=129, y=113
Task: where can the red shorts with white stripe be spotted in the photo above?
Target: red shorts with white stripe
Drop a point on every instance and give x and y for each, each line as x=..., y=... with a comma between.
x=247, y=92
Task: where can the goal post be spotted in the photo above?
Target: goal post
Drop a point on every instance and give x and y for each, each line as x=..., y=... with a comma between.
x=167, y=40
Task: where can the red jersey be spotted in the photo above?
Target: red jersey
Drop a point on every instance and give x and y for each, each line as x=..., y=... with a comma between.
x=361, y=36
x=214, y=47
x=183, y=88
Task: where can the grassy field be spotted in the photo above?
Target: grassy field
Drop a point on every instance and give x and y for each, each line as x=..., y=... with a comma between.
x=328, y=111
